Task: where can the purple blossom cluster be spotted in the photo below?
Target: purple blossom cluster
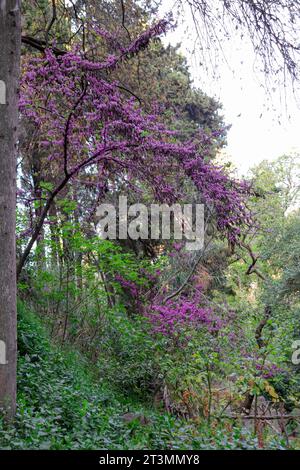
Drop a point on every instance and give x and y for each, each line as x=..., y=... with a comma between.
x=268, y=371
x=127, y=285
x=173, y=317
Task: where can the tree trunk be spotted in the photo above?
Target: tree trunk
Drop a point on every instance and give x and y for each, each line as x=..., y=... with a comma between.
x=10, y=41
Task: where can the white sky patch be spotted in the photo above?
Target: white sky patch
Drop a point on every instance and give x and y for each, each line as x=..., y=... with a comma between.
x=264, y=126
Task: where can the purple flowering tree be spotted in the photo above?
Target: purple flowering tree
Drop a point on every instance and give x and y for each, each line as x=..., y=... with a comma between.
x=86, y=131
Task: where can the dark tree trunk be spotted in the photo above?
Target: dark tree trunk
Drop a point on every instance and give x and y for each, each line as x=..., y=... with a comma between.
x=10, y=41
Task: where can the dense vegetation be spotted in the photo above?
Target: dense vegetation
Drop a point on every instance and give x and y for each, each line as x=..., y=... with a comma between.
x=141, y=343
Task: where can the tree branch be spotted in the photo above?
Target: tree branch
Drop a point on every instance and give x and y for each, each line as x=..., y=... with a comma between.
x=53, y=19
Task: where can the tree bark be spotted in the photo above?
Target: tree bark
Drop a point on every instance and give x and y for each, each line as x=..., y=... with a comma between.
x=10, y=41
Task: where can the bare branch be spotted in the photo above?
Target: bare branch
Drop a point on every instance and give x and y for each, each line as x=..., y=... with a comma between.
x=53, y=19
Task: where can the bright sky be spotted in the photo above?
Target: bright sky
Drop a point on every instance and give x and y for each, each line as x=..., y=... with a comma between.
x=262, y=126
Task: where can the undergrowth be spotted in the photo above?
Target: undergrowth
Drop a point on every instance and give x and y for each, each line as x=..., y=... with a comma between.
x=61, y=405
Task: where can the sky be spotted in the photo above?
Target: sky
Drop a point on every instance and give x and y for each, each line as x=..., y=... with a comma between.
x=264, y=124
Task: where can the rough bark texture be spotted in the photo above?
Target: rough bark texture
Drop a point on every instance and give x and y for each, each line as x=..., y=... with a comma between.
x=10, y=43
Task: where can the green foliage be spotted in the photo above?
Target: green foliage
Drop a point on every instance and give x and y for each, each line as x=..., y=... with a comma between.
x=63, y=404
x=132, y=367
